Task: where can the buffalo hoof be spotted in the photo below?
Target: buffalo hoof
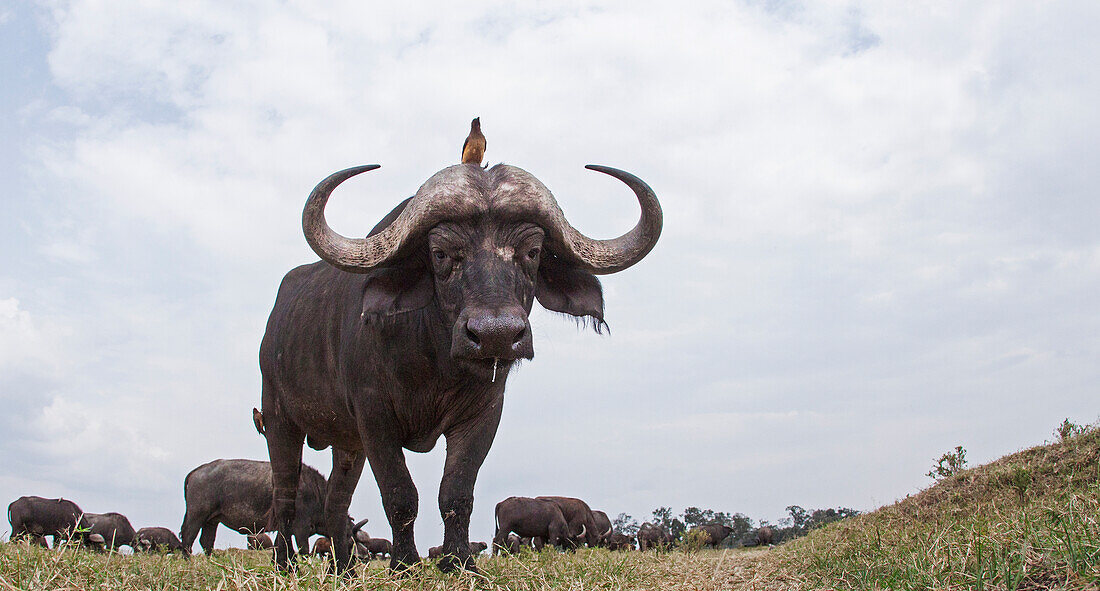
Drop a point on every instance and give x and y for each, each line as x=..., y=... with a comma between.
x=400, y=567
x=450, y=564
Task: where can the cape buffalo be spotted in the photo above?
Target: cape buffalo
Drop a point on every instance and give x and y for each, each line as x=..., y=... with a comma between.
x=530, y=518
x=115, y=529
x=653, y=536
x=475, y=549
x=377, y=548
x=715, y=532
x=322, y=547
x=159, y=539
x=618, y=541
x=512, y=544
x=36, y=518
x=237, y=493
x=409, y=334
x=602, y=524
x=260, y=541
x=582, y=524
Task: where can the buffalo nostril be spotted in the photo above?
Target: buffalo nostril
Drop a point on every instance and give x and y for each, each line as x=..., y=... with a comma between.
x=519, y=335
x=470, y=334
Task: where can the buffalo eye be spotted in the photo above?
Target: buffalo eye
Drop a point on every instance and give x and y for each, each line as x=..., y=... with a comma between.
x=438, y=254
x=534, y=253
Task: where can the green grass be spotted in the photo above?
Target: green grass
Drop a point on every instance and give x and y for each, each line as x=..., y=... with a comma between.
x=1026, y=521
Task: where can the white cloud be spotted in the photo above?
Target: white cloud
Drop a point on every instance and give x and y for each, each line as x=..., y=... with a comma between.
x=879, y=231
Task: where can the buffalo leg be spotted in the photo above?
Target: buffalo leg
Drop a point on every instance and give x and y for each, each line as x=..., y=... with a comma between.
x=399, y=499
x=466, y=451
x=206, y=539
x=190, y=530
x=346, y=470
x=284, y=448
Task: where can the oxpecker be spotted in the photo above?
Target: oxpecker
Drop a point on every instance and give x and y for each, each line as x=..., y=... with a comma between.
x=473, y=149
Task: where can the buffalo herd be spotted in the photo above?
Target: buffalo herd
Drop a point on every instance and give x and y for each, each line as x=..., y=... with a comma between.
x=386, y=344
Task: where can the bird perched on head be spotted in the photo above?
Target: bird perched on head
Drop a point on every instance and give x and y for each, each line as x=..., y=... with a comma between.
x=473, y=149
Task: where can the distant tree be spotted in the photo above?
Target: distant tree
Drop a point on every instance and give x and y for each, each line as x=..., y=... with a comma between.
x=822, y=517
x=663, y=516
x=741, y=525
x=625, y=524
x=802, y=521
x=799, y=518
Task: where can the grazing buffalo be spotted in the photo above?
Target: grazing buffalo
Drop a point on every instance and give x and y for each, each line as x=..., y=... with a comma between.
x=653, y=536
x=260, y=541
x=765, y=536
x=322, y=547
x=475, y=549
x=582, y=524
x=618, y=541
x=115, y=529
x=715, y=533
x=159, y=539
x=237, y=493
x=511, y=544
x=377, y=548
x=409, y=334
x=603, y=528
x=530, y=518
x=36, y=518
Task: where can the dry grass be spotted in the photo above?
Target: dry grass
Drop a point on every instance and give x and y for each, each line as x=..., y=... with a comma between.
x=28, y=568
x=1026, y=521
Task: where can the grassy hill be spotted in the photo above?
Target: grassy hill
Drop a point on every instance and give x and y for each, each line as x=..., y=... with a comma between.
x=1025, y=521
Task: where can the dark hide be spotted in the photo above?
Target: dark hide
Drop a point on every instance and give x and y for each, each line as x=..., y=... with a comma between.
x=260, y=541
x=322, y=547
x=603, y=527
x=475, y=548
x=36, y=518
x=715, y=532
x=530, y=518
x=653, y=536
x=512, y=544
x=115, y=529
x=392, y=359
x=582, y=524
x=618, y=541
x=159, y=539
x=378, y=548
x=237, y=494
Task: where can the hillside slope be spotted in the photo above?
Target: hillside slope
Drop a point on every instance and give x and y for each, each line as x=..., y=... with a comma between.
x=1026, y=521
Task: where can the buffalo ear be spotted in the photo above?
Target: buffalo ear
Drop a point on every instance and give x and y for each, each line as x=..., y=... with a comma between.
x=566, y=289
x=394, y=291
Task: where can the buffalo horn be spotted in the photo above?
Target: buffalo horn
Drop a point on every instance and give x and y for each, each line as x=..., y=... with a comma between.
x=602, y=257
x=360, y=255
x=358, y=526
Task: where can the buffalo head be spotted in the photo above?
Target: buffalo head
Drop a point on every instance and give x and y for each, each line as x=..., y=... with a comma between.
x=481, y=245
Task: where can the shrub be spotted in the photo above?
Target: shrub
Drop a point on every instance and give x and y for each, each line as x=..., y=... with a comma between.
x=693, y=540
x=1068, y=430
x=949, y=464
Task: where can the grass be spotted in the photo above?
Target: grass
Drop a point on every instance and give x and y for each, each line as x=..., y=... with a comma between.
x=1028, y=521
x=29, y=568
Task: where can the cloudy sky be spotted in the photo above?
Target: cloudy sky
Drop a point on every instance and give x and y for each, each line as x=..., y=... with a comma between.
x=881, y=235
